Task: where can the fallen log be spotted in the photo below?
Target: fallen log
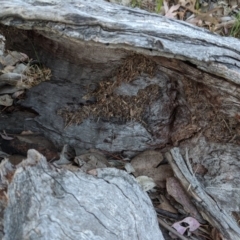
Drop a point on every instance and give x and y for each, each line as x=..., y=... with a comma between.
x=125, y=80
x=83, y=49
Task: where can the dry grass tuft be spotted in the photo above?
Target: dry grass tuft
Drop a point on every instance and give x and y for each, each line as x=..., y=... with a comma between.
x=35, y=75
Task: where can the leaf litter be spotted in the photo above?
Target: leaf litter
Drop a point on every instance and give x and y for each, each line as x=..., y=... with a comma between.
x=108, y=103
x=219, y=16
x=28, y=75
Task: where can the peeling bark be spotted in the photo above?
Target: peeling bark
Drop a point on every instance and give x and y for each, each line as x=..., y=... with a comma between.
x=196, y=73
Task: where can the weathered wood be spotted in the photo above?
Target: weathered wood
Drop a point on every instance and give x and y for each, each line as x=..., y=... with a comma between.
x=83, y=42
x=86, y=42
x=211, y=197
x=45, y=202
x=102, y=24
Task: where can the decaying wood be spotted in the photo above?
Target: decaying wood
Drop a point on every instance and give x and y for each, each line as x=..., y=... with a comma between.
x=190, y=78
x=119, y=27
x=45, y=202
x=211, y=196
x=84, y=42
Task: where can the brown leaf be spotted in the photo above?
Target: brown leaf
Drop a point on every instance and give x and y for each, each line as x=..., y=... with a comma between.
x=216, y=235
x=146, y=160
x=195, y=21
x=147, y=163
x=206, y=17
x=71, y=167
x=176, y=190
x=166, y=205
x=16, y=159
x=92, y=172
x=91, y=160
x=172, y=12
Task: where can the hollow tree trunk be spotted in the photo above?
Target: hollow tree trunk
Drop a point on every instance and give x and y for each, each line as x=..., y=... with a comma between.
x=125, y=80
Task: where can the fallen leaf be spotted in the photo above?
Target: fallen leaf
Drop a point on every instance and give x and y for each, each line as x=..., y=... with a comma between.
x=146, y=160
x=91, y=160
x=206, y=17
x=146, y=183
x=192, y=225
x=147, y=164
x=92, y=172
x=216, y=235
x=6, y=100
x=195, y=21
x=187, y=3
x=129, y=168
x=70, y=167
x=175, y=189
x=170, y=12
x=166, y=205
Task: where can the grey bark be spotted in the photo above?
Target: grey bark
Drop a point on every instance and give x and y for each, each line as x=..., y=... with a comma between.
x=45, y=202
x=83, y=42
x=211, y=196
x=197, y=73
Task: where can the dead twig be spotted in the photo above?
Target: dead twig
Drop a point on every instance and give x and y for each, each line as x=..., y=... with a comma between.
x=171, y=215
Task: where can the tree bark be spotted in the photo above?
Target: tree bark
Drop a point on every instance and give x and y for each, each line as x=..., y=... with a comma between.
x=176, y=86
x=45, y=202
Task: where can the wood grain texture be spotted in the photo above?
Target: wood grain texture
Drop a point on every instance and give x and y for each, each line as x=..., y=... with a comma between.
x=71, y=22
x=211, y=193
x=51, y=203
x=84, y=42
